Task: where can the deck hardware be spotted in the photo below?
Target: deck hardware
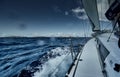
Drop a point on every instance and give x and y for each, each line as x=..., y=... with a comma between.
x=117, y=67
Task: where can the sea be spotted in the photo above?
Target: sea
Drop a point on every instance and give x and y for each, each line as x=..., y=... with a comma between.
x=38, y=56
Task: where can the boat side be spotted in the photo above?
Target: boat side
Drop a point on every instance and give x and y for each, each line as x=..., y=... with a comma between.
x=109, y=54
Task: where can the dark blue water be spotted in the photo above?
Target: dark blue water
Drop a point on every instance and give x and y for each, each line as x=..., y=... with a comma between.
x=17, y=53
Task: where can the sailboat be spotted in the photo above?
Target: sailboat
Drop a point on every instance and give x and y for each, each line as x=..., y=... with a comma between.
x=100, y=57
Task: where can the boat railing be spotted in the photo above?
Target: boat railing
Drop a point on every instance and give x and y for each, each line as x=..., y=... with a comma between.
x=73, y=67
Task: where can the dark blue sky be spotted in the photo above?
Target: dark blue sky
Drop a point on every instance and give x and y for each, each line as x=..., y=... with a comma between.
x=39, y=17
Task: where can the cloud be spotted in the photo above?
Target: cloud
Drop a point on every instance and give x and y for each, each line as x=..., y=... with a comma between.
x=66, y=13
x=79, y=13
x=56, y=9
x=77, y=10
x=102, y=8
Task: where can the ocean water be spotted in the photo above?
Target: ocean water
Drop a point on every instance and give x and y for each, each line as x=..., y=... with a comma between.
x=36, y=56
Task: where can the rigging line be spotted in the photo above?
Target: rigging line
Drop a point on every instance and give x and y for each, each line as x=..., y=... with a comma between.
x=111, y=32
x=84, y=29
x=114, y=25
x=87, y=28
x=101, y=16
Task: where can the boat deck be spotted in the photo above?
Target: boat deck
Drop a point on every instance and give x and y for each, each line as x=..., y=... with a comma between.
x=112, y=45
x=90, y=65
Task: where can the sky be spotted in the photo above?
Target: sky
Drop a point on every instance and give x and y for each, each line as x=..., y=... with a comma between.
x=43, y=18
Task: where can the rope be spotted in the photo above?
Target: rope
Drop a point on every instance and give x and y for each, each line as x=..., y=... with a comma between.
x=101, y=16
x=112, y=30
